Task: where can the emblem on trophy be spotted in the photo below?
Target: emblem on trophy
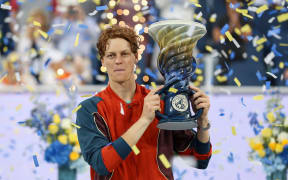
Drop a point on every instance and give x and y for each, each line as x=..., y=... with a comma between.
x=176, y=39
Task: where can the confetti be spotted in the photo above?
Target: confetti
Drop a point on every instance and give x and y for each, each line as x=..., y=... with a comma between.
x=234, y=130
x=18, y=107
x=271, y=117
x=47, y=62
x=173, y=90
x=269, y=57
x=262, y=9
x=212, y=18
x=258, y=97
x=76, y=40
x=58, y=25
x=76, y=109
x=255, y=58
x=229, y=36
x=83, y=26
x=268, y=84
x=153, y=84
x=224, y=29
x=36, y=23
x=261, y=41
x=87, y=95
x=17, y=75
x=164, y=161
x=283, y=17
x=93, y=13
x=283, y=44
x=35, y=161
x=208, y=48
x=5, y=6
x=237, y=81
x=236, y=43
x=75, y=125
x=272, y=75
x=30, y=88
x=217, y=151
x=81, y=1
x=100, y=8
x=242, y=102
x=135, y=150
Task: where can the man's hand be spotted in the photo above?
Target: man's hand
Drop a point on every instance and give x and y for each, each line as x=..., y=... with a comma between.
x=200, y=100
x=151, y=104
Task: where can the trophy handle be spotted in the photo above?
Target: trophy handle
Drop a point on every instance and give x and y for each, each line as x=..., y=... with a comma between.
x=199, y=112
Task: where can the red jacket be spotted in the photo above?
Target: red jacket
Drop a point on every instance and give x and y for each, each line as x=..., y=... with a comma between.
x=105, y=117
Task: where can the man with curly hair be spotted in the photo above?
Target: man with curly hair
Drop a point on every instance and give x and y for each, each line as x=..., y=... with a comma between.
x=122, y=117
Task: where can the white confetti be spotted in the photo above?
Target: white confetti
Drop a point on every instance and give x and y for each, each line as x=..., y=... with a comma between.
x=5, y=6
x=271, y=74
x=269, y=57
x=199, y=15
x=121, y=110
x=236, y=43
x=93, y=13
x=224, y=54
x=57, y=25
x=17, y=76
x=271, y=20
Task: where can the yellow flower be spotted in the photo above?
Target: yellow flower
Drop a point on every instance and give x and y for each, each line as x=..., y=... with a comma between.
x=272, y=145
x=278, y=148
x=56, y=119
x=266, y=132
x=271, y=117
x=63, y=139
x=284, y=142
x=261, y=153
x=73, y=156
x=72, y=138
x=53, y=128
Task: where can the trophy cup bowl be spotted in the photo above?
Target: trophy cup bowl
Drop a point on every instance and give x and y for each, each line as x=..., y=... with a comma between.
x=176, y=39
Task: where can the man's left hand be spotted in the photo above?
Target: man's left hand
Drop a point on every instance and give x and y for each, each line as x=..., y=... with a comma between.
x=200, y=100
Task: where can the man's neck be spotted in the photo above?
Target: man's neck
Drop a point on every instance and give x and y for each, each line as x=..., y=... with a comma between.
x=125, y=90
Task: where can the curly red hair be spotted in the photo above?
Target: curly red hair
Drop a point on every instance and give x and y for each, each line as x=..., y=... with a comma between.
x=116, y=31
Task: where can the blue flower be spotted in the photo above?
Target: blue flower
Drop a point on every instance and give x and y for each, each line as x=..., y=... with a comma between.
x=58, y=153
x=284, y=155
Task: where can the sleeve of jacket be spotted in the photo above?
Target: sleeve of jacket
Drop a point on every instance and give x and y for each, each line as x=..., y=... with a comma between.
x=101, y=154
x=187, y=143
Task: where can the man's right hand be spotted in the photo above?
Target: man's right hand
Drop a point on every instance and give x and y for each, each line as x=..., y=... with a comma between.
x=151, y=104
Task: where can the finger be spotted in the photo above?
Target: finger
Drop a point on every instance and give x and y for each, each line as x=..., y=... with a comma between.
x=200, y=100
x=194, y=88
x=202, y=105
x=198, y=94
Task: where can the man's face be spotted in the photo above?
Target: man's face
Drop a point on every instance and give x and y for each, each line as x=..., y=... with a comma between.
x=119, y=60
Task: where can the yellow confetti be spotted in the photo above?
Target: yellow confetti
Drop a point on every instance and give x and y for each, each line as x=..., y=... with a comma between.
x=153, y=84
x=18, y=107
x=76, y=109
x=76, y=40
x=283, y=44
x=242, y=11
x=87, y=95
x=283, y=17
x=259, y=48
x=237, y=31
x=247, y=15
x=255, y=58
x=135, y=150
x=261, y=41
x=221, y=78
x=246, y=28
x=229, y=36
x=164, y=161
x=271, y=117
x=43, y=34
x=173, y=90
x=277, y=108
x=198, y=71
x=237, y=81
x=262, y=9
x=36, y=23
x=217, y=151
x=30, y=88
x=81, y=1
x=197, y=5
x=59, y=31
x=281, y=65
x=258, y=97
x=234, y=130
x=250, y=3
x=75, y=125
x=208, y=48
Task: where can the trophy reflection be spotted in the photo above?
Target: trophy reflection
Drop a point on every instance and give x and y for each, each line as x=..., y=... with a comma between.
x=176, y=39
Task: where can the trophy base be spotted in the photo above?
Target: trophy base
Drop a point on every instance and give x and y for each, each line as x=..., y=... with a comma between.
x=185, y=125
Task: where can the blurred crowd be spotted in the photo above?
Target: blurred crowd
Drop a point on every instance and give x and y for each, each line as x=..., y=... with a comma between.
x=42, y=41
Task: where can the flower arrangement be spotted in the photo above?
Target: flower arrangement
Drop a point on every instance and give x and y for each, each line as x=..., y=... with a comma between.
x=270, y=145
x=55, y=127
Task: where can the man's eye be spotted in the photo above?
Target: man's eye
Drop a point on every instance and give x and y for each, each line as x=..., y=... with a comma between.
x=110, y=56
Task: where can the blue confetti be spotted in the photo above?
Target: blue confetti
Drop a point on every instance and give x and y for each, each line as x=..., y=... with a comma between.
x=224, y=28
x=221, y=114
x=273, y=31
x=47, y=62
x=141, y=31
x=249, y=38
x=39, y=133
x=21, y=122
x=275, y=51
x=232, y=55
x=50, y=32
x=268, y=83
x=100, y=8
x=199, y=55
x=172, y=9
x=230, y=158
x=83, y=26
x=35, y=161
x=230, y=73
x=242, y=102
